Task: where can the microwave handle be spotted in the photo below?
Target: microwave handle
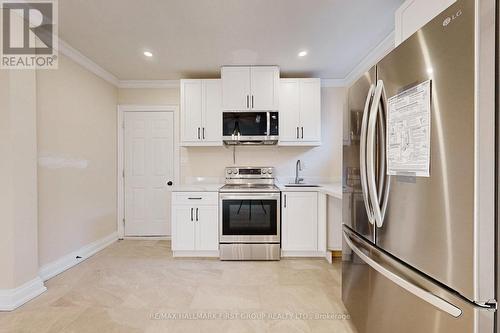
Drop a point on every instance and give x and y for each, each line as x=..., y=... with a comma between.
x=268, y=126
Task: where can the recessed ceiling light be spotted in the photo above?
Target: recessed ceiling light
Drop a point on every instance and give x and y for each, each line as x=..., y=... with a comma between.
x=302, y=53
x=148, y=54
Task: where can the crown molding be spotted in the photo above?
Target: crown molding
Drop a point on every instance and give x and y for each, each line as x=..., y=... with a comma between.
x=332, y=83
x=85, y=62
x=148, y=84
x=371, y=59
x=375, y=55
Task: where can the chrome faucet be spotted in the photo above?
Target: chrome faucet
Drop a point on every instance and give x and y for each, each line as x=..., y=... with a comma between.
x=298, y=167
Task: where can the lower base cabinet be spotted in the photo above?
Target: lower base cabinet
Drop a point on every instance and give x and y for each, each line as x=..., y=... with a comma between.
x=195, y=224
x=300, y=232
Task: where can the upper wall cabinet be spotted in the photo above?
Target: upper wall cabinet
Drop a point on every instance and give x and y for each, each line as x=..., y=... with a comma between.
x=201, y=112
x=250, y=88
x=414, y=14
x=300, y=112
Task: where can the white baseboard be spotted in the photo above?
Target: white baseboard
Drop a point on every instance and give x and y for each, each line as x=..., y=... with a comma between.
x=11, y=299
x=303, y=254
x=329, y=257
x=60, y=265
x=147, y=237
x=195, y=254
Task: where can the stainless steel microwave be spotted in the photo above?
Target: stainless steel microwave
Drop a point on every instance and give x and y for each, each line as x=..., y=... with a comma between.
x=250, y=127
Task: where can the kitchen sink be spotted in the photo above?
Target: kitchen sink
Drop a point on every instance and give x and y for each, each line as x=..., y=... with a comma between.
x=301, y=185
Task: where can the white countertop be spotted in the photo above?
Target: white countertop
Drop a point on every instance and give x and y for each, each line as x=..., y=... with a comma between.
x=333, y=189
x=200, y=187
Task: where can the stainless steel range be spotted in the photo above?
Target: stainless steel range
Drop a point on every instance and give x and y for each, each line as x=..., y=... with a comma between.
x=250, y=215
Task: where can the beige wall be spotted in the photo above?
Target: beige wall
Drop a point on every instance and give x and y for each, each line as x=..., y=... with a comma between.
x=163, y=96
x=324, y=162
x=18, y=178
x=77, y=159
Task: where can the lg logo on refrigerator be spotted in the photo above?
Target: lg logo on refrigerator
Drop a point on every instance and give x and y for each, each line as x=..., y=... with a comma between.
x=450, y=19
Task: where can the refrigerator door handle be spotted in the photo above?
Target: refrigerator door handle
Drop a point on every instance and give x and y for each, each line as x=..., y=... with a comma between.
x=385, y=184
x=362, y=155
x=423, y=294
x=378, y=106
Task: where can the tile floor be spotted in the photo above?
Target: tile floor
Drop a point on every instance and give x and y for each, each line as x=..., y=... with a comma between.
x=136, y=286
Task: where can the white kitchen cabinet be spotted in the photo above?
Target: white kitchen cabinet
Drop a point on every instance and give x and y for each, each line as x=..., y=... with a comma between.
x=201, y=112
x=300, y=112
x=235, y=88
x=207, y=229
x=289, y=112
x=183, y=229
x=264, y=83
x=191, y=108
x=195, y=221
x=250, y=88
x=414, y=14
x=299, y=224
x=335, y=207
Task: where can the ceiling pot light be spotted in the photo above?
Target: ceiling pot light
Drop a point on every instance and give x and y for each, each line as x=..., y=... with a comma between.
x=148, y=54
x=302, y=53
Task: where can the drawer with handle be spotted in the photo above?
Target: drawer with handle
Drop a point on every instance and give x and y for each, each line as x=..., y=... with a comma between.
x=195, y=198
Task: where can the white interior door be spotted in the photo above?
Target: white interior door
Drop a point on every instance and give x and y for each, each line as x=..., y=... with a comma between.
x=149, y=156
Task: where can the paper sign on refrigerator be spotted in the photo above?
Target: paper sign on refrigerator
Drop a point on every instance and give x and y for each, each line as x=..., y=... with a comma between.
x=409, y=132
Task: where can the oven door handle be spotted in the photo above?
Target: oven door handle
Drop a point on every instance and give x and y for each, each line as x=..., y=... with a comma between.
x=250, y=196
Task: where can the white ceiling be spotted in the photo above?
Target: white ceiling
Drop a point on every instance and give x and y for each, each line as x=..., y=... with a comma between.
x=193, y=38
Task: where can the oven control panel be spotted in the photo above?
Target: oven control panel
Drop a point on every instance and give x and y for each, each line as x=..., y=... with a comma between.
x=249, y=172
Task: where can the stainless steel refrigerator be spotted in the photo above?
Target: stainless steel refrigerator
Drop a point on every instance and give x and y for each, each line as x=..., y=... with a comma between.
x=420, y=250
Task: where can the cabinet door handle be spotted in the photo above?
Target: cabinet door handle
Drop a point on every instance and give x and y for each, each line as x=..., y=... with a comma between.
x=252, y=101
x=194, y=198
x=192, y=214
x=302, y=132
x=203, y=133
x=248, y=101
x=197, y=214
x=284, y=201
x=199, y=133
x=297, y=132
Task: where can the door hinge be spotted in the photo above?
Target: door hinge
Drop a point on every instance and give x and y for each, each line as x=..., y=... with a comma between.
x=123, y=220
x=123, y=173
x=490, y=305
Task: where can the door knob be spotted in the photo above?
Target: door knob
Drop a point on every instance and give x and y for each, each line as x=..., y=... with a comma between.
x=169, y=183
